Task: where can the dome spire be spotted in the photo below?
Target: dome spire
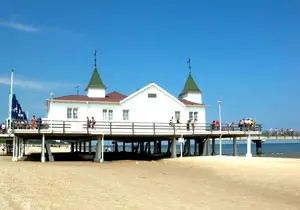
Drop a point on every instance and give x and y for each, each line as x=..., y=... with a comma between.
x=189, y=62
x=95, y=58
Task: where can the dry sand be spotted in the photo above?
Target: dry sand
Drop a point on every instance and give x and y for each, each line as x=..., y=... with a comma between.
x=188, y=183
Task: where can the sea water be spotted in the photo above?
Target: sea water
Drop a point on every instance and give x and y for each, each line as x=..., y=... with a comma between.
x=270, y=148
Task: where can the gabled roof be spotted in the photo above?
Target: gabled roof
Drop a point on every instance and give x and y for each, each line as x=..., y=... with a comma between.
x=190, y=86
x=111, y=97
x=148, y=86
x=96, y=81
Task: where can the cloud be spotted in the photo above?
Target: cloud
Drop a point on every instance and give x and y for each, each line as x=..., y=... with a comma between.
x=26, y=83
x=33, y=29
x=19, y=26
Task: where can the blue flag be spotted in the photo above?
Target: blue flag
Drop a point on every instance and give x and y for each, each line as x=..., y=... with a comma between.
x=16, y=111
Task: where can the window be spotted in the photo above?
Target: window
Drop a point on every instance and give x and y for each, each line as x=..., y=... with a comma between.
x=195, y=116
x=104, y=114
x=151, y=95
x=125, y=114
x=177, y=115
x=72, y=113
x=69, y=113
x=107, y=114
x=75, y=113
x=190, y=116
x=110, y=115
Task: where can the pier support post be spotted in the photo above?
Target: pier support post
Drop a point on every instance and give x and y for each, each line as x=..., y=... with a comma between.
x=141, y=147
x=132, y=147
x=98, y=153
x=124, y=146
x=80, y=148
x=220, y=145
x=173, y=152
x=201, y=147
x=155, y=147
x=195, y=147
x=90, y=146
x=149, y=148
x=188, y=147
x=159, y=146
x=19, y=148
x=207, y=147
x=102, y=149
x=84, y=146
x=234, y=146
x=14, y=157
x=43, y=159
x=258, y=148
x=213, y=149
x=72, y=147
x=24, y=147
x=76, y=146
x=249, y=154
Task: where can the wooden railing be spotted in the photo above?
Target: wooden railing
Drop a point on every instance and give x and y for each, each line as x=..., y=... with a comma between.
x=280, y=135
x=132, y=128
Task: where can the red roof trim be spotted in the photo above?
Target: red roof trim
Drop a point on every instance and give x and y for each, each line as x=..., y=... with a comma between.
x=186, y=102
x=111, y=97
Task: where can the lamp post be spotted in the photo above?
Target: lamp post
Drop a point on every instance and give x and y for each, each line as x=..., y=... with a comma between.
x=10, y=99
x=51, y=101
x=220, y=127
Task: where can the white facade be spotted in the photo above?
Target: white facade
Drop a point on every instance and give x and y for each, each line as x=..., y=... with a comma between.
x=96, y=92
x=194, y=97
x=149, y=104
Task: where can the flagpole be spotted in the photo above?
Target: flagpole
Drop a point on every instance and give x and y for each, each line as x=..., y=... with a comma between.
x=10, y=96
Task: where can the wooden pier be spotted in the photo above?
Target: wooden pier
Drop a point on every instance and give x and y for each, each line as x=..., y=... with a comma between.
x=141, y=133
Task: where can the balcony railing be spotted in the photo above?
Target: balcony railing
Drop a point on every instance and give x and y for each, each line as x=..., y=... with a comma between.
x=281, y=134
x=130, y=128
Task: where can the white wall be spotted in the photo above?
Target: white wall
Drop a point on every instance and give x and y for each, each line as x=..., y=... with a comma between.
x=58, y=110
x=194, y=97
x=96, y=93
x=144, y=109
x=141, y=108
x=201, y=114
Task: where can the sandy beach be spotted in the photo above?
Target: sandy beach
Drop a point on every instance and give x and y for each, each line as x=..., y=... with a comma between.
x=187, y=183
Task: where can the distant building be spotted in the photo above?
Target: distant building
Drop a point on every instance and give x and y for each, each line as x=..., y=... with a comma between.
x=149, y=104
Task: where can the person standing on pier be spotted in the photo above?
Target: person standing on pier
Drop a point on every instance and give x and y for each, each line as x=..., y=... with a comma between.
x=93, y=122
x=33, y=122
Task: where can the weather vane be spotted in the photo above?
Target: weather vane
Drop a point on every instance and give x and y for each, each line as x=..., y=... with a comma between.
x=95, y=58
x=189, y=62
x=77, y=87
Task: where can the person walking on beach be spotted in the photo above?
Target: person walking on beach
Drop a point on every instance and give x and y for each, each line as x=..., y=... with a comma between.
x=33, y=122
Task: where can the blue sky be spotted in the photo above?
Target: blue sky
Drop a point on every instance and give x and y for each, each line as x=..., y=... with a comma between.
x=245, y=53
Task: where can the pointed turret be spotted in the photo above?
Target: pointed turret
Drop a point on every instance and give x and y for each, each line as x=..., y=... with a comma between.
x=191, y=92
x=96, y=88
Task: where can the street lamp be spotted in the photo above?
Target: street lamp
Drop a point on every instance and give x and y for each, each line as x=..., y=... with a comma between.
x=220, y=127
x=51, y=101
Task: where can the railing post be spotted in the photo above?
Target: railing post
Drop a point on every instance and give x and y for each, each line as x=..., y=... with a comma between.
x=173, y=124
x=132, y=128
x=193, y=125
x=87, y=127
x=110, y=128
x=228, y=127
x=63, y=126
x=154, y=128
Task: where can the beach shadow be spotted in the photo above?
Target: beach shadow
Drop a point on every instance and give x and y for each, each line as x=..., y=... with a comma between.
x=108, y=156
